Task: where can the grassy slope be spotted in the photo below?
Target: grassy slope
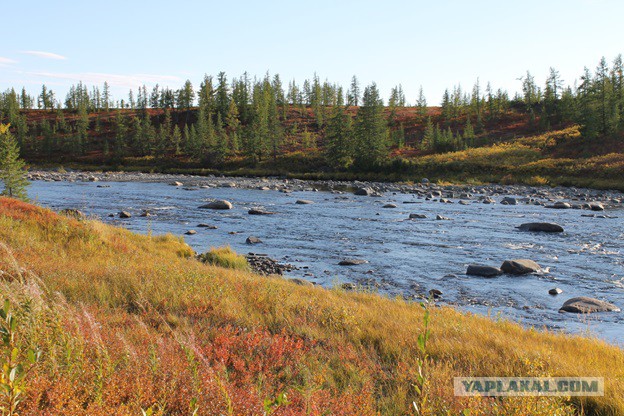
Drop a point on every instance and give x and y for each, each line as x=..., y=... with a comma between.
x=128, y=322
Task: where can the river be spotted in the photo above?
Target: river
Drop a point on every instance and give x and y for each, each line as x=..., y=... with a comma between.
x=405, y=257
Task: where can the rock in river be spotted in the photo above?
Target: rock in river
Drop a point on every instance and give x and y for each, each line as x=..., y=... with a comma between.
x=352, y=262
x=520, y=266
x=253, y=240
x=560, y=205
x=125, y=214
x=584, y=304
x=546, y=227
x=218, y=204
x=555, y=291
x=255, y=211
x=412, y=216
x=485, y=271
x=509, y=200
x=303, y=202
x=389, y=206
x=364, y=191
x=191, y=232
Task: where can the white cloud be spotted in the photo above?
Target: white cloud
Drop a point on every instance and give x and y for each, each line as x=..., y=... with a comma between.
x=6, y=61
x=46, y=55
x=114, y=80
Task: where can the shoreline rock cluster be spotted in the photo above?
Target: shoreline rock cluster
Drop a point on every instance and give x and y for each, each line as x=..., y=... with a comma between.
x=557, y=197
x=264, y=265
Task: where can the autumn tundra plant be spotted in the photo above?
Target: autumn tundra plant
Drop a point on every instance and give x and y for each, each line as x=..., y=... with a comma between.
x=224, y=257
x=129, y=322
x=16, y=364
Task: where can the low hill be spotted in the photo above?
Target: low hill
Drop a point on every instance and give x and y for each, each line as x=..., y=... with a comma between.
x=512, y=147
x=126, y=323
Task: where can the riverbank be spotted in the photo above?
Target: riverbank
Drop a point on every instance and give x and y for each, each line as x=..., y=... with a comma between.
x=539, y=194
x=135, y=322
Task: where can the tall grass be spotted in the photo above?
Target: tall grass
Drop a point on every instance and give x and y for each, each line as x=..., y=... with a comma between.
x=127, y=323
x=224, y=257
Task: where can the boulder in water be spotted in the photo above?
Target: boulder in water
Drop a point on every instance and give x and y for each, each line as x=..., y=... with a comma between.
x=485, y=271
x=218, y=204
x=255, y=211
x=546, y=227
x=520, y=266
x=584, y=304
x=352, y=262
x=364, y=191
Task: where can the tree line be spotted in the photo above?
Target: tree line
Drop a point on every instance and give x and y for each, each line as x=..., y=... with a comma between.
x=260, y=118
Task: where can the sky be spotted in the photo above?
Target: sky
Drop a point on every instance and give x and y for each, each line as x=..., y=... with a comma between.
x=433, y=44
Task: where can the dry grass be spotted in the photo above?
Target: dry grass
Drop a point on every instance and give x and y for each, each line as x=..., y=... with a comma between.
x=225, y=257
x=128, y=322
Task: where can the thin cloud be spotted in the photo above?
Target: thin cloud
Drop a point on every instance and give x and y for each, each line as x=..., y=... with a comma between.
x=114, y=80
x=7, y=61
x=46, y=55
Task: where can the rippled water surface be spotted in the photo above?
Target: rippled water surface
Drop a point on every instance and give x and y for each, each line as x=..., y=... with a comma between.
x=407, y=257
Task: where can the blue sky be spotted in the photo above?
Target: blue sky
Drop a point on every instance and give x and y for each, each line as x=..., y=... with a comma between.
x=433, y=44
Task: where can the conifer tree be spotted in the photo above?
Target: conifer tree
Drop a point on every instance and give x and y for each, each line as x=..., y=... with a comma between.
x=428, y=139
x=233, y=127
x=12, y=172
x=371, y=129
x=353, y=95
x=339, y=137
x=176, y=139
x=421, y=102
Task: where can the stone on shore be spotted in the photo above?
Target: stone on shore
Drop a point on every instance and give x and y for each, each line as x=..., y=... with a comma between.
x=301, y=282
x=73, y=213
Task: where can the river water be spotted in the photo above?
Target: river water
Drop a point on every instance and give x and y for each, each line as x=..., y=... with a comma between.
x=406, y=257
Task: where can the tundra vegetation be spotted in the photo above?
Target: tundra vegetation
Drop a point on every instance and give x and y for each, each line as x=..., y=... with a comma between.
x=102, y=321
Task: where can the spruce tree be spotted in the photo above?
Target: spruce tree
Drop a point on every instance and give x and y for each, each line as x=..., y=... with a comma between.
x=371, y=130
x=421, y=103
x=428, y=136
x=12, y=172
x=339, y=137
